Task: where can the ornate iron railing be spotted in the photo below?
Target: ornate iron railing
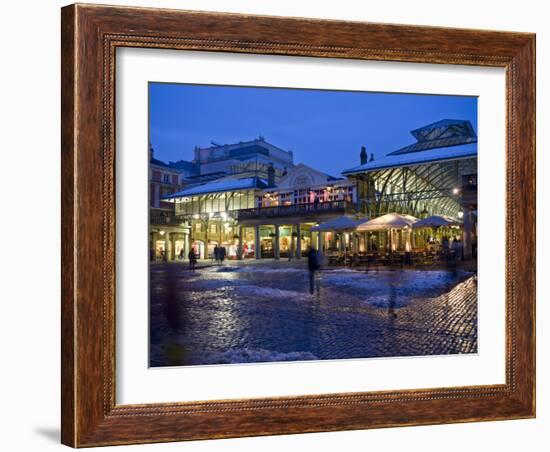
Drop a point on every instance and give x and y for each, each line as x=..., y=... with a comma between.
x=168, y=219
x=296, y=209
x=171, y=219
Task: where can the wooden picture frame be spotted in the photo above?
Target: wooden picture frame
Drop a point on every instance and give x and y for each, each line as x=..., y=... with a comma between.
x=90, y=36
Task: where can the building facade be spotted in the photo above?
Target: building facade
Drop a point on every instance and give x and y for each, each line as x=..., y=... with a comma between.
x=436, y=175
x=252, y=199
x=165, y=236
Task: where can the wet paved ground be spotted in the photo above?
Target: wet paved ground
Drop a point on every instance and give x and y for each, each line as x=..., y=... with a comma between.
x=238, y=313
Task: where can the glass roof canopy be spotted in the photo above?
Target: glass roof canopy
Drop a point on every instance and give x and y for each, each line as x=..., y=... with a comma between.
x=424, y=178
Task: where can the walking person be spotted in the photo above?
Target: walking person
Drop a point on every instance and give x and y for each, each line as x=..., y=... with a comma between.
x=192, y=259
x=313, y=265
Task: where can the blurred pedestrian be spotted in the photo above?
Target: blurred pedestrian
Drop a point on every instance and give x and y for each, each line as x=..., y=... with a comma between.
x=192, y=259
x=313, y=265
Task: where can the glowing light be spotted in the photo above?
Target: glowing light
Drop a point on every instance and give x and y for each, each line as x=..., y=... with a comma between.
x=456, y=191
x=161, y=232
x=196, y=216
x=460, y=214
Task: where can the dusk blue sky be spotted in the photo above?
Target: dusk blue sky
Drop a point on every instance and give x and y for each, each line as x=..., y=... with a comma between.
x=325, y=129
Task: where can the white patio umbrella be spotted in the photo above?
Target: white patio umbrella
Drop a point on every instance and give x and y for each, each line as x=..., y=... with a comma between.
x=389, y=222
x=343, y=223
x=435, y=221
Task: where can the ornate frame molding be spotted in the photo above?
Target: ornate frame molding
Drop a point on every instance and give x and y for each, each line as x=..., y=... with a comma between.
x=90, y=36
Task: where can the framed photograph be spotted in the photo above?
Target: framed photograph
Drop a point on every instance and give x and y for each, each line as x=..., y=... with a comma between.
x=282, y=225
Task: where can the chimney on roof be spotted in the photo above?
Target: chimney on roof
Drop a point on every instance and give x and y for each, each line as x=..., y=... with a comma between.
x=363, y=155
x=371, y=157
x=270, y=175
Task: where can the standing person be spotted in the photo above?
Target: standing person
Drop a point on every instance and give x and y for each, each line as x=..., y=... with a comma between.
x=445, y=247
x=192, y=259
x=181, y=254
x=222, y=252
x=455, y=247
x=216, y=253
x=313, y=265
x=460, y=249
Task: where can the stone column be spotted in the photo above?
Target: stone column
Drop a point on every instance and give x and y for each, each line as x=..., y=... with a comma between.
x=467, y=232
x=355, y=243
x=240, y=245
x=276, y=252
x=333, y=239
x=172, y=246
x=153, y=249
x=257, y=251
x=186, y=244
x=298, y=242
x=166, y=245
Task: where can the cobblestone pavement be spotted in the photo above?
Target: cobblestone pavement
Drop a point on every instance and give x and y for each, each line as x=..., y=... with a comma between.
x=235, y=314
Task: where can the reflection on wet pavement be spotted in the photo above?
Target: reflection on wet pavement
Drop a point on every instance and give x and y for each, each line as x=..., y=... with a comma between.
x=232, y=314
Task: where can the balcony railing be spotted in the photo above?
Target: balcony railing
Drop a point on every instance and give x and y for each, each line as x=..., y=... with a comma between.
x=168, y=219
x=296, y=209
x=171, y=219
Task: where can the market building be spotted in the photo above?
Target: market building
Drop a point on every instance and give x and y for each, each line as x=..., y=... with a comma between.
x=436, y=175
x=281, y=221
x=253, y=200
x=227, y=178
